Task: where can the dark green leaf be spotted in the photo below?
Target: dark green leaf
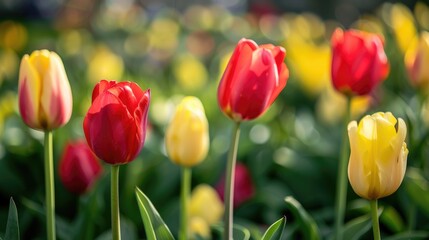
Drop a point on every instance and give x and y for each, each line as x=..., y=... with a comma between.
x=355, y=228
x=154, y=225
x=12, y=226
x=307, y=223
x=418, y=189
x=238, y=232
x=409, y=236
x=275, y=231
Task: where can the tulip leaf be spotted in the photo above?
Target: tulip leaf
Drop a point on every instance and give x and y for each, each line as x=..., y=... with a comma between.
x=307, y=223
x=238, y=232
x=418, y=189
x=417, y=235
x=12, y=226
x=275, y=231
x=154, y=225
x=355, y=228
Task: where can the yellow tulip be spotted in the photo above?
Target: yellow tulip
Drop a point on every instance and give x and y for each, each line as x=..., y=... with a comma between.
x=187, y=136
x=45, y=98
x=206, y=204
x=378, y=157
x=416, y=61
x=198, y=226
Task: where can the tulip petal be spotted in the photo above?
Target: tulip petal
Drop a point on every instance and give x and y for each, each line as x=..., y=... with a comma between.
x=257, y=79
x=109, y=118
x=56, y=98
x=29, y=90
x=102, y=86
x=240, y=57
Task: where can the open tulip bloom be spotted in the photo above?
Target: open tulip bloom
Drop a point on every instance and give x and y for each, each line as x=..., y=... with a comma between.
x=254, y=77
x=378, y=158
x=115, y=129
x=45, y=103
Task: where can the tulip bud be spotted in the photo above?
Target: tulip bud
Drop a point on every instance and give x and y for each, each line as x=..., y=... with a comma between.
x=187, y=136
x=416, y=62
x=45, y=98
x=115, y=125
x=359, y=62
x=79, y=168
x=206, y=204
x=378, y=157
x=253, y=79
x=243, y=185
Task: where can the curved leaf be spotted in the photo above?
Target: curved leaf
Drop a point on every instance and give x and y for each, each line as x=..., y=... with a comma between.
x=154, y=225
x=308, y=225
x=417, y=235
x=355, y=228
x=275, y=231
x=238, y=232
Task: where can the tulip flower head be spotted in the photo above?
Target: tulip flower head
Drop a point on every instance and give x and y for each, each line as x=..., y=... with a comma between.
x=416, y=62
x=378, y=157
x=45, y=98
x=254, y=77
x=206, y=204
x=79, y=167
x=243, y=185
x=187, y=136
x=115, y=125
x=359, y=62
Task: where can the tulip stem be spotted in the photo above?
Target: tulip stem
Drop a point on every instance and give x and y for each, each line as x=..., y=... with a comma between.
x=49, y=185
x=229, y=183
x=340, y=201
x=114, y=201
x=184, y=202
x=374, y=215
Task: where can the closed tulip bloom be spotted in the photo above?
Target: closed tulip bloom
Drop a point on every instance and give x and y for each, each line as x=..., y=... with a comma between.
x=417, y=61
x=115, y=125
x=45, y=98
x=206, y=204
x=378, y=157
x=187, y=136
x=359, y=62
x=79, y=167
x=254, y=77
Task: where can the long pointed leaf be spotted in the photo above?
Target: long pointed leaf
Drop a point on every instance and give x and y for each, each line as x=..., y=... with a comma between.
x=309, y=226
x=12, y=226
x=354, y=229
x=275, y=231
x=154, y=225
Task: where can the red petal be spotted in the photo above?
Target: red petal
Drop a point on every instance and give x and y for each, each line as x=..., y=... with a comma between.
x=102, y=86
x=240, y=58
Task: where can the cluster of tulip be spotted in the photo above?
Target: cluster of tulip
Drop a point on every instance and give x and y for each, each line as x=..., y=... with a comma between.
x=116, y=123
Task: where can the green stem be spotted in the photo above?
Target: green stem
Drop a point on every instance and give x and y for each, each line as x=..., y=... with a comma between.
x=49, y=185
x=340, y=201
x=229, y=183
x=374, y=215
x=184, y=202
x=114, y=201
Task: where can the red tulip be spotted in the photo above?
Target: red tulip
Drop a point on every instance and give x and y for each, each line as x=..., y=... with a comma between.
x=115, y=125
x=359, y=62
x=243, y=185
x=253, y=79
x=79, y=167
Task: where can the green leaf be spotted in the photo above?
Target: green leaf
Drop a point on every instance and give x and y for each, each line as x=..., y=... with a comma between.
x=355, y=228
x=238, y=232
x=12, y=226
x=308, y=225
x=409, y=236
x=418, y=189
x=154, y=225
x=392, y=219
x=275, y=231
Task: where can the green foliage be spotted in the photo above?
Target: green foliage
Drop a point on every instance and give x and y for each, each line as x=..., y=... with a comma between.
x=275, y=231
x=153, y=223
x=307, y=223
x=12, y=227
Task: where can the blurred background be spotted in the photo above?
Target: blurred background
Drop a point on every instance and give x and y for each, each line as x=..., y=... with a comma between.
x=181, y=47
